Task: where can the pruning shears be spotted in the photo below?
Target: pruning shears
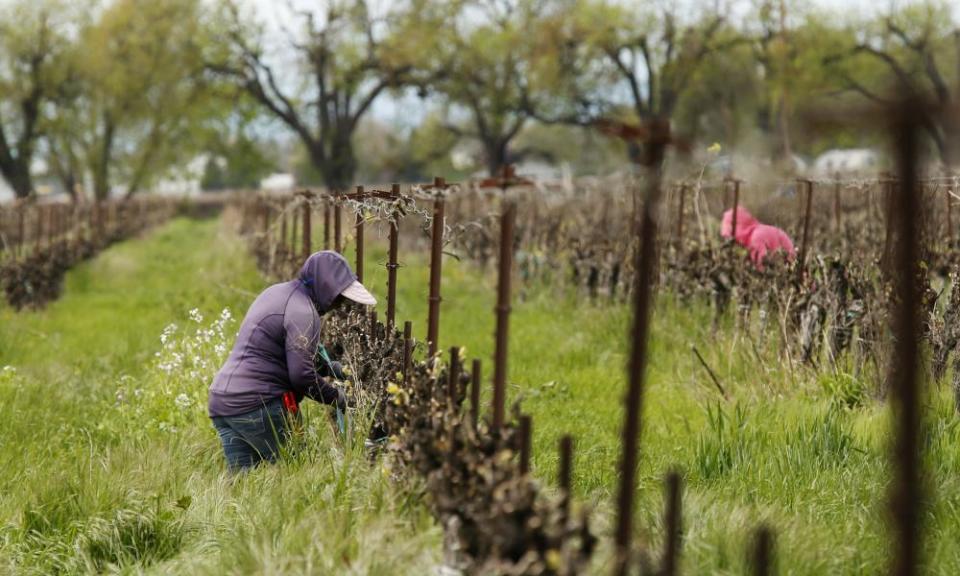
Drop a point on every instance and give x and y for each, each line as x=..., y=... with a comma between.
x=342, y=417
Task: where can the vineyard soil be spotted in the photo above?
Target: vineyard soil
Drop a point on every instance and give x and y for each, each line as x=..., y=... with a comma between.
x=107, y=457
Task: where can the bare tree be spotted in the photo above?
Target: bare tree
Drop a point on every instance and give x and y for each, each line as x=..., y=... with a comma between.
x=913, y=55
x=29, y=46
x=348, y=66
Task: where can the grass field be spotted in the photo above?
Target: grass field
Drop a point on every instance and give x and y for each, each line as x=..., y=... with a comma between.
x=108, y=460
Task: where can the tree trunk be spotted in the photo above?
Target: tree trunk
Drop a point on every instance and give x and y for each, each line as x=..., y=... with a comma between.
x=101, y=168
x=338, y=166
x=18, y=176
x=495, y=155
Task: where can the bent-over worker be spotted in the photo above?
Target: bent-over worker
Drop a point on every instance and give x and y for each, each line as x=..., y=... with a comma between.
x=271, y=366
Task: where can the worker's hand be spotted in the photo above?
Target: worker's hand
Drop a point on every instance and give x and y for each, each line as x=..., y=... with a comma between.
x=341, y=400
x=338, y=372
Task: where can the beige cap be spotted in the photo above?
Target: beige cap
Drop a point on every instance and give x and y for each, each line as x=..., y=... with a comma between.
x=358, y=293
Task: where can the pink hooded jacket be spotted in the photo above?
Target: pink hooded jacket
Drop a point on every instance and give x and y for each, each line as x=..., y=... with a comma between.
x=759, y=239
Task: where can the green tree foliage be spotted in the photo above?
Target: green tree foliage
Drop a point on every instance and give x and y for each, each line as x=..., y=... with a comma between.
x=33, y=40
x=913, y=51
x=347, y=57
x=137, y=100
x=488, y=63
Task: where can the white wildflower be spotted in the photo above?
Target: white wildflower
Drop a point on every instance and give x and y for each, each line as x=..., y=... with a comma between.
x=183, y=401
x=196, y=316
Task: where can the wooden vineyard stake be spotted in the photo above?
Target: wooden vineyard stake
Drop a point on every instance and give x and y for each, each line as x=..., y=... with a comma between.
x=507, y=223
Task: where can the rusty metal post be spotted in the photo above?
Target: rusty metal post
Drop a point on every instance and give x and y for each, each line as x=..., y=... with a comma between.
x=643, y=292
x=836, y=204
x=359, y=234
x=950, y=215
x=801, y=261
x=373, y=324
x=674, y=525
x=889, y=221
x=525, y=433
x=907, y=501
x=392, y=264
x=762, y=556
x=38, y=228
x=265, y=218
x=475, y=380
x=307, y=228
x=683, y=197
x=295, y=226
x=21, y=230
x=565, y=471
x=337, y=231
x=736, y=205
x=453, y=376
x=507, y=222
x=283, y=229
x=436, y=255
x=407, y=350
x=326, y=224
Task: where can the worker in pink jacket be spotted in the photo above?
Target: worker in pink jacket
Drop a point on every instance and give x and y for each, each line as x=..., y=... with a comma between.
x=759, y=239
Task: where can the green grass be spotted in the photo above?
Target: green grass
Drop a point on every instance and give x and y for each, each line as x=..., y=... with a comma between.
x=102, y=469
x=787, y=448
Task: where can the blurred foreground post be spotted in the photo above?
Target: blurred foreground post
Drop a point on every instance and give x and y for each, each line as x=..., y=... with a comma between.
x=762, y=554
x=657, y=139
x=906, y=500
x=507, y=223
x=674, y=525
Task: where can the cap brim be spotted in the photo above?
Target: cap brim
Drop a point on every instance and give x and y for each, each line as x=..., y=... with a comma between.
x=358, y=293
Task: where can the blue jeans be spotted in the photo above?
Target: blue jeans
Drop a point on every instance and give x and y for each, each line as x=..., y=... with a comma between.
x=254, y=436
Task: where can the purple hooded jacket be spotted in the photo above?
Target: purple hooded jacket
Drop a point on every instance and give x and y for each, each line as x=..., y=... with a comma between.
x=275, y=350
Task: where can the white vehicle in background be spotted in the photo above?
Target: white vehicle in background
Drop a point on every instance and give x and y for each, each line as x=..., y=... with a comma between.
x=852, y=162
x=6, y=192
x=279, y=182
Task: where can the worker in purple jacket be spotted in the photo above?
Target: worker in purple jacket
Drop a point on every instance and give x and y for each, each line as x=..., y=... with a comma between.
x=271, y=366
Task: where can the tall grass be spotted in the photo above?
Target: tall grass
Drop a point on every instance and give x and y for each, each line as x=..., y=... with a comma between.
x=109, y=464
